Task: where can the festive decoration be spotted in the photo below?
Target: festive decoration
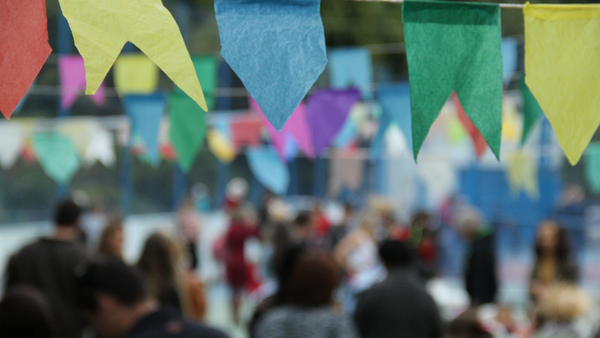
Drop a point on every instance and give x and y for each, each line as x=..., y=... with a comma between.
x=220, y=146
x=72, y=81
x=12, y=140
x=509, y=58
x=188, y=128
x=57, y=156
x=101, y=29
x=146, y=112
x=24, y=49
x=454, y=47
x=592, y=166
x=531, y=110
x=268, y=168
x=395, y=102
x=206, y=69
x=345, y=171
x=100, y=149
x=478, y=139
x=352, y=68
x=135, y=74
x=246, y=131
x=277, y=48
x=522, y=173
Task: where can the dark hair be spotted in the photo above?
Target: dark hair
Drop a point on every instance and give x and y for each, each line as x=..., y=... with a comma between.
x=303, y=219
x=420, y=220
x=466, y=325
x=25, y=313
x=112, y=277
x=395, y=254
x=313, y=280
x=67, y=213
x=563, y=245
x=283, y=266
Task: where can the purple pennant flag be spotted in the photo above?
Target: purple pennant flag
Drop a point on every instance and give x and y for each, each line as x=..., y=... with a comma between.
x=326, y=112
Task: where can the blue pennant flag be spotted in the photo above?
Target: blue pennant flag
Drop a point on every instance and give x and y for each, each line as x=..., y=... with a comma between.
x=146, y=112
x=276, y=47
x=509, y=58
x=269, y=169
x=352, y=67
x=395, y=103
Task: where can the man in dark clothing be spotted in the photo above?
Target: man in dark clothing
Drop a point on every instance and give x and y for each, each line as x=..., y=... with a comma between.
x=114, y=299
x=398, y=307
x=48, y=265
x=480, y=274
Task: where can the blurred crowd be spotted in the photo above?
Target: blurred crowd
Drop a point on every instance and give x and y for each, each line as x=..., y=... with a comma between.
x=363, y=274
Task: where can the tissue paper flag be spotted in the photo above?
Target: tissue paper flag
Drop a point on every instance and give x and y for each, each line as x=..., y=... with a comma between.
x=345, y=171
x=220, y=146
x=135, y=74
x=246, y=130
x=188, y=128
x=12, y=139
x=478, y=139
x=207, y=68
x=24, y=49
x=523, y=174
x=72, y=81
x=395, y=102
x=509, y=58
x=326, y=112
x=101, y=149
x=57, y=156
x=277, y=48
x=562, y=69
x=352, y=67
x=454, y=47
x=101, y=29
x=268, y=168
x=531, y=110
x=146, y=112
x=592, y=166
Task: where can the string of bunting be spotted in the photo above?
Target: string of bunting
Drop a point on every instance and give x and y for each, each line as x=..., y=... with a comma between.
x=451, y=48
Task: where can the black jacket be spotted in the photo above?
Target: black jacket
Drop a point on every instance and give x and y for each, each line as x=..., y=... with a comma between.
x=166, y=323
x=480, y=276
x=398, y=307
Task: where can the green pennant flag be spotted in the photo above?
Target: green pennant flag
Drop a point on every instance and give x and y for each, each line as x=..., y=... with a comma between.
x=592, y=166
x=188, y=128
x=450, y=47
x=57, y=156
x=207, y=71
x=531, y=110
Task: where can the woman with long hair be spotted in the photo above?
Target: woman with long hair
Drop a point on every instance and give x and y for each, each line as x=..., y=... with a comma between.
x=111, y=240
x=553, y=261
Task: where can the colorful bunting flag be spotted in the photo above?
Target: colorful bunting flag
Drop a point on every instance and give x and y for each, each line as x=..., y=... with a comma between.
x=277, y=48
x=454, y=47
x=79, y=131
x=207, y=68
x=146, y=112
x=345, y=171
x=12, y=140
x=268, y=169
x=326, y=112
x=562, y=65
x=395, y=102
x=522, y=172
x=379, y=140
x=509, y=58
x=352, y=68
x=24, y=49
x=531, y=110
x=439, y=176
x=220, y=146
x=592, y=166
x=478, y=139
x=100, y=149
x=101, y=29
x=57, y=156
x=188, y=128
x=72, y=81
x=246, y=131
x=135, y=74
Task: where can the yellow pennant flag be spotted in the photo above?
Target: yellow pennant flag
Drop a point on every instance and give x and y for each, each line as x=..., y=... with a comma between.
x=220, y=146
x=522, y=172
x=135, y=74
x=101, y=29
x=562, y=67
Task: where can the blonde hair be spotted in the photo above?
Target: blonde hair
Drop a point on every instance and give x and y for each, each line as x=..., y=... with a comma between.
x=564, y=302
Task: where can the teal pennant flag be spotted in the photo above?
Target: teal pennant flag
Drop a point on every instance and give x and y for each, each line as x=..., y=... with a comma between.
x=454, y=47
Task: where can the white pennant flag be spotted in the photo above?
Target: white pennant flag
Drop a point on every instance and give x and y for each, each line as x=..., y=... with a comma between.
x=101, y=148
x=11, y=142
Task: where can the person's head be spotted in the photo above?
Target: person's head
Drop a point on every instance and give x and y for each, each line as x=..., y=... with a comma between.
x=25, y=313
x=112, y=296
x=283, y=265
x=469, y=222
x=552, y=240
x=313, y=280
x=67, y=214
x=395, y=254
x=420, y=221
x=111, y=241
x=466, y=325
x=303, y=220
x=160, y=260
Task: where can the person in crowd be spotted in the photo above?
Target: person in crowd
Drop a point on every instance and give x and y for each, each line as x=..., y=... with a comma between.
x=303, y=229
x=25, y=313
x=116, y=303
x=162, y=265
x=322, y=224
x=553, y=263
x=48, y=265
x=111, y=241
x=237, y=268
x=467, y=325
x=357, y=254
x=423, y=242
x=93, y=222
x=341, y=230
x=283, y=263
x=383, y=310
x=188, y=220
x=308, y=311
x=480, y=274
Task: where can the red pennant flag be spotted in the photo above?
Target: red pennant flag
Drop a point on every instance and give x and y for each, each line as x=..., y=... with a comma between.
x=24, y=49
x=478, y=140
x=246, y=130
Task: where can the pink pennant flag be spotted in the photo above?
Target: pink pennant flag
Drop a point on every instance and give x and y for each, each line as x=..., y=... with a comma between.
x=296, y=126
x=72, y=80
